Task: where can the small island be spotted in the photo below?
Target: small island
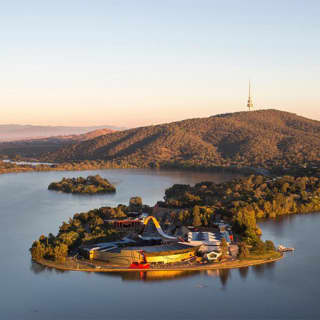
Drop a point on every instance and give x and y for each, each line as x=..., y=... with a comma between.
x=90, y=185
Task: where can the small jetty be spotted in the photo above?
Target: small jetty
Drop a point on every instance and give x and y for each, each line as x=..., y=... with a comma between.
x=282, y=248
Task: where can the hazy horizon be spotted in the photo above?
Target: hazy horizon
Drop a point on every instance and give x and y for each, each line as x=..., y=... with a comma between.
x=137, y=63
x=119, y=127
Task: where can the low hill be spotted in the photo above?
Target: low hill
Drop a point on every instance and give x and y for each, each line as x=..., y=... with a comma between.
x=34, y=148
x=14, y=132
x=258, y=138
x=80, y=137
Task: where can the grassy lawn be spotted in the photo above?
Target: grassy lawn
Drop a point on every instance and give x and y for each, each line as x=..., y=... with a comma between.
x=263, y=256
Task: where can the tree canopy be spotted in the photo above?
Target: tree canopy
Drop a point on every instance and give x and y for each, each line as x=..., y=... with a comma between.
x=89, y=185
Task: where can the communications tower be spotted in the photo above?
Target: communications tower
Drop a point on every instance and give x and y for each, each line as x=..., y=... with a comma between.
x=250, y=103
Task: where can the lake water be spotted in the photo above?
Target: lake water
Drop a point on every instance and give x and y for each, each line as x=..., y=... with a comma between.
x=287, y=289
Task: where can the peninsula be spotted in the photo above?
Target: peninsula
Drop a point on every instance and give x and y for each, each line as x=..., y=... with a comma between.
x=207, y=225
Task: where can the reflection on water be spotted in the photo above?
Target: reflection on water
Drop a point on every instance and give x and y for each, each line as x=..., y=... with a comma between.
x=224, y=275
x=155, y=276
x=258, y=270
x=211, y=273
x=149, y=275
x=37, y=268
x=243, y=272
x=146, y=276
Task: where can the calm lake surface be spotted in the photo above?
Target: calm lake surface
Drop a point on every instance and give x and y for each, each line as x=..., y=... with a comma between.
x=287, y=289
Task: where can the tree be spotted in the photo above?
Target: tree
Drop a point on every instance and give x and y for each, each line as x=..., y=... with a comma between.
x=196, y=217
x=181, y=216
x=224, y=247
x=120, y=213
x=270, y=245
x=243, y=250
x=135, y=203
x=258, y=247
x=285, y=187
x=60, y=252
x=69, y=238
x=37, y=250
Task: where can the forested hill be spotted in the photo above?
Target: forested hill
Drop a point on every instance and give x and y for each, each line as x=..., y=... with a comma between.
x=257, y=138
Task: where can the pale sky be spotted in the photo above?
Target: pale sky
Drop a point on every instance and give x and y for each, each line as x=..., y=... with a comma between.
x=141, y=62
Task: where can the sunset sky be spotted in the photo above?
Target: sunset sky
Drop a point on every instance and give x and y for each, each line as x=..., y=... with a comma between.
x=136, y=62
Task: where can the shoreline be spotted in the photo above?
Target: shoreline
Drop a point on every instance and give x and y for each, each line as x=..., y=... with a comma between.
x=235, y=264
x=75, y=166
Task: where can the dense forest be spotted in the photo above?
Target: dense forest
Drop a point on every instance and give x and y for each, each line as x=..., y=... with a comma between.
x=90, y=185
x=264, y=138
x=266, y=197
x=311, y=169
x=242, y=201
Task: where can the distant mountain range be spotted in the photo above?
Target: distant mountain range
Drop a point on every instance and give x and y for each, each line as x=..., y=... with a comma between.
x=257, y=138
x=35, y=148
x=14, y=132
x=78, y=137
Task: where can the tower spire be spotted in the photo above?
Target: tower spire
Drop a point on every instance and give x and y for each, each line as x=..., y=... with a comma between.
x=250, y=103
